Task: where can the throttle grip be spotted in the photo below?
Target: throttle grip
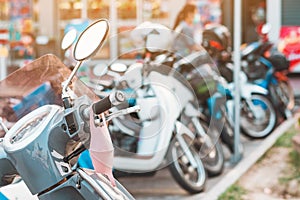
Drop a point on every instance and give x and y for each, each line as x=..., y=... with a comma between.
x=113, y=99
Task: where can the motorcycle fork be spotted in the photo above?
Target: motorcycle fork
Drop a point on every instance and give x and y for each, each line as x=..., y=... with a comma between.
x=183, y=144
x=186, y=150
x=199, y=128
x=200, y=132
x=254, y=109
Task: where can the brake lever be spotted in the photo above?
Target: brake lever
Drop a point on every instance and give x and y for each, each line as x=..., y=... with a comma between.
x=126, y=111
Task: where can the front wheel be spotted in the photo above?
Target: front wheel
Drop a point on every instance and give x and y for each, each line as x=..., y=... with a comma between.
x=210, y=149
x=190, y=178
x=258, y=119
x=226, y=127
x=286, y=97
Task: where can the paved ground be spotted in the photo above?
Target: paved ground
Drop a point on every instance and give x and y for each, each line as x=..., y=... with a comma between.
x=162, y=185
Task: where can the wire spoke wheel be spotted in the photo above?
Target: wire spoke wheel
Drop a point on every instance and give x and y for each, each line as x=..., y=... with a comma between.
x=190, y=178
x=286, y=95
x=210, y=150
x=260, y=122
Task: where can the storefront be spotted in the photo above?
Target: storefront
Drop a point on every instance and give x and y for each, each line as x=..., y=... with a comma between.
x=18, y=19
x=124, y=15
x=44, y=17
x=50, y=19
x=290, y=33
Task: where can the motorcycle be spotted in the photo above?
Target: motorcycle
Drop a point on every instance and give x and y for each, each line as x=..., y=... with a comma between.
x=268, y=69
x=176, y=135
x=37, y=144
x=258, y=115
x=215, y=115
x=151, y=134
x=201, y=72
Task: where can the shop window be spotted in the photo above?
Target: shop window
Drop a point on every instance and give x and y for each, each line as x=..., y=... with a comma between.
x=98, y=9
x=155, y=9
x=126, y=9
x=70, y=9
x=4, y=10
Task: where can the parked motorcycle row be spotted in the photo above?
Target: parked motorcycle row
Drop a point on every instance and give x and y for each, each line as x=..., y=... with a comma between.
x=162, y=111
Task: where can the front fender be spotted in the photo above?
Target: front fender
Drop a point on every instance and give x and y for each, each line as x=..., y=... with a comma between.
x=248, y=89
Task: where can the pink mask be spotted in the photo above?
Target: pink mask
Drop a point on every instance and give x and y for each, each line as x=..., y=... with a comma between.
x=101, y=149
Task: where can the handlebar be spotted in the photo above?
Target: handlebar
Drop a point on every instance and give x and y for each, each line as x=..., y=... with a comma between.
x=114, y=99
x=118, y=113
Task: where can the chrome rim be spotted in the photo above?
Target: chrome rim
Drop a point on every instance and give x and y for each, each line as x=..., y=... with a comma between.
x=193, y=176
x=262, y=126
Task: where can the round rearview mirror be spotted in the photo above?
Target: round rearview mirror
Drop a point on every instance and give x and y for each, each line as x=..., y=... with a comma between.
x=68, y=39
x=100, y=69
x=91, y=39
x=118, y=67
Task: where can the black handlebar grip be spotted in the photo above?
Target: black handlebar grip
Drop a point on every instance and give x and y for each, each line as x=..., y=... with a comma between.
x=106, y=103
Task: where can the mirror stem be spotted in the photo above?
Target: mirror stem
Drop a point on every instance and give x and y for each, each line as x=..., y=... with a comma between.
x=67, y=83
x=3, y=125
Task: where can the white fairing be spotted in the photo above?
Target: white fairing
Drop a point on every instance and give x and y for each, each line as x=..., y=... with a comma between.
x=133, y=76
x=157, y=132
x=151, y=115
x=246, y=88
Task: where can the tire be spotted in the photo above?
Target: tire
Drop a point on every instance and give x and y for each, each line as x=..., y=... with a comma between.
x=286, y=97
x=190, y=179
x=262, y=127
x=225, y=126
x=227, y=133
x=211, y=152
x=283, y=98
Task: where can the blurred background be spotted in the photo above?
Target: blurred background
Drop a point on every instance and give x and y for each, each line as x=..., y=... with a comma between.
x=31, y=28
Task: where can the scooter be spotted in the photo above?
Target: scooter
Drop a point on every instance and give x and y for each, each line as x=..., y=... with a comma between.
x=258, y=115
x=161, y=133
x=217, y=118
x=43, y=135
x=268, y=69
